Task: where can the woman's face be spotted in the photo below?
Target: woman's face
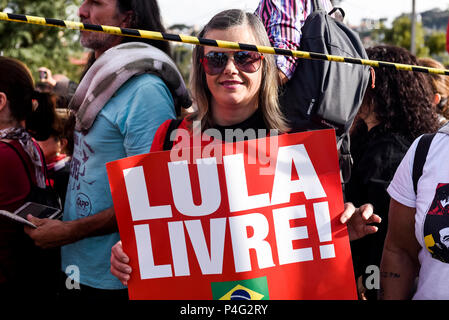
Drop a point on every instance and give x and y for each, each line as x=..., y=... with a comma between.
x=234, y=92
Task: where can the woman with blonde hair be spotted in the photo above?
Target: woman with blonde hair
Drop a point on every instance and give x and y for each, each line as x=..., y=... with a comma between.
x=238, y=95
x=234, y=90
x=204, y=57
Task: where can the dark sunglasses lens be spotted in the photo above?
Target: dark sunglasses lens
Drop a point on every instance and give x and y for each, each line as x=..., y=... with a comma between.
x=248, y=61
x=215, y=62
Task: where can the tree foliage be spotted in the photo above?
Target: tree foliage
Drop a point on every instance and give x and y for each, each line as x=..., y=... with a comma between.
x=400, y=34
x=182, y=55
x=38, y=45
x=436, y=42
x=428, y=42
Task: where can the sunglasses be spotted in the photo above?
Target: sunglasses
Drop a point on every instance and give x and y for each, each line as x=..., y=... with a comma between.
x=247, y=61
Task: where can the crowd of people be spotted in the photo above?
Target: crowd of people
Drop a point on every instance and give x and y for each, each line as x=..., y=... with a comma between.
x=124, y=104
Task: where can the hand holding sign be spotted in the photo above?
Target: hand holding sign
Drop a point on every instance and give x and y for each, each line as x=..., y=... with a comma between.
x=119, y=263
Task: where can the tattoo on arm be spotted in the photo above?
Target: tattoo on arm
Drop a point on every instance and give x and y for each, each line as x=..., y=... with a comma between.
x=389, y=274
x=386, y=275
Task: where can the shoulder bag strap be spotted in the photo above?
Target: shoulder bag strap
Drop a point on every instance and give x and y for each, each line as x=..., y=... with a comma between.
x=420, y=158
x=316, y=5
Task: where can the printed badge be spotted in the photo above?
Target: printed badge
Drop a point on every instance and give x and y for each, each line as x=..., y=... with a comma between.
x=436, y=225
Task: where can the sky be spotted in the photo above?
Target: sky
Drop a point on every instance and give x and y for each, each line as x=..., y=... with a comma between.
x=198, y=12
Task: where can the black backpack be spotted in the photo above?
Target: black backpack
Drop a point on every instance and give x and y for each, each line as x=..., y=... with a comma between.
x=323, y=94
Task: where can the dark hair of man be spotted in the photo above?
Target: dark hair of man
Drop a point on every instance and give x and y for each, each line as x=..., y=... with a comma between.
x=146, y=16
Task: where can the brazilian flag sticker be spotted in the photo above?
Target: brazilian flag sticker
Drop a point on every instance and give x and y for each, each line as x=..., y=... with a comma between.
x=252, y=289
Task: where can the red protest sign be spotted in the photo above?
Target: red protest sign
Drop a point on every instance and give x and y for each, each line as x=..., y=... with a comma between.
x=236, y=225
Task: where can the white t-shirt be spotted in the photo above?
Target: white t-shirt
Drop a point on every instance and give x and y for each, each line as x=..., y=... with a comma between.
x=432, y=215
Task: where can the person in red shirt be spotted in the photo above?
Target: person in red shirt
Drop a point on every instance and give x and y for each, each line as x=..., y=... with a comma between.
x=23, y=113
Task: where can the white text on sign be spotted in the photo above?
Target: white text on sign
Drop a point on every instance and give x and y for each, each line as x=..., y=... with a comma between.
x=210, y=259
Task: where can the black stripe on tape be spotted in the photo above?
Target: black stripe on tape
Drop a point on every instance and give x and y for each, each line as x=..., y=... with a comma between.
x=419, y=69
x=283, y=52
x=20, y=17
x=55, y=22
x=386, y=65
x=208, y=42
x=318, y=56
x=171, y=37
x=130, y=32
x=353, y=60
x=92, y=27
x=248, y=47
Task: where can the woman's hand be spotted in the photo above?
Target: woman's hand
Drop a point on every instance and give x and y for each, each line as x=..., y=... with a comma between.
x=119, y=263
x=358, y=220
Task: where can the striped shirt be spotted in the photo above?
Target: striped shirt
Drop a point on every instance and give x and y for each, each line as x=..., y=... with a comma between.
x=283, y=20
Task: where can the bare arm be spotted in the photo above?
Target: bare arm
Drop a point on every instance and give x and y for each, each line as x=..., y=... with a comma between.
x=400, y=266
x=53, y=233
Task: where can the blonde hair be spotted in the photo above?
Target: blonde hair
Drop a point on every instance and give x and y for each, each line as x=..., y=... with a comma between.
x=268, y=92
x=440, y=84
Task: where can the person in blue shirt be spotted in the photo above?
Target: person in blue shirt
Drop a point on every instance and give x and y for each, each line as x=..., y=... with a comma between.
x=130, y=87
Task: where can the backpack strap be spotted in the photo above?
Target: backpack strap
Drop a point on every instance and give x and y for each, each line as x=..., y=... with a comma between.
x=420, y=158
x=173, y=126
x=345, y=158
x=335, y=9
x=316, y=5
